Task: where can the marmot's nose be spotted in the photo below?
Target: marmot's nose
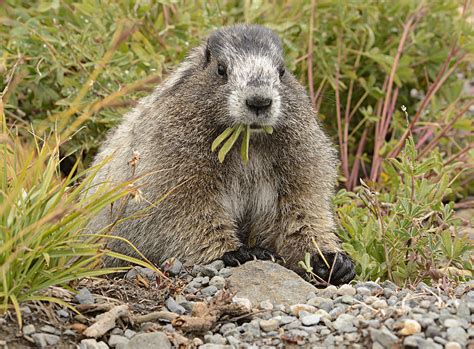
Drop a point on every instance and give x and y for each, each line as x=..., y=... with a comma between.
x=258, y=104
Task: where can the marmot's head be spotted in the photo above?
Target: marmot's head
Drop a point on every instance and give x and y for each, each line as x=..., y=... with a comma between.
x=245, y=64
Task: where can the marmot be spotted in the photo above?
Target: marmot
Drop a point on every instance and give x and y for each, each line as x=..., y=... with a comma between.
x=272, y=206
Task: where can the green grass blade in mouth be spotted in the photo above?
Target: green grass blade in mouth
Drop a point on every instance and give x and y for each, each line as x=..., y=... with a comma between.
x=268, y=129
x=230, y=143
x=221, y=138
x=244, y=150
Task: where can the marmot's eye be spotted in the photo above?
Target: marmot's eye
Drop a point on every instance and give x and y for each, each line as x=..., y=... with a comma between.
x=221, y=70
x=281, y=72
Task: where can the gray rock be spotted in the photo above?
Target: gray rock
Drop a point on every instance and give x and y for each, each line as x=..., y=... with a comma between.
x=346, y=290
x=62, y=313
x=380, y=304
x=418, y=342
x=225, y=272
x=345, y=323
x=328, y=292
x=234, y=342
x=457, y=334
x=117, y=330
x=50, y=329
x=129, y=333
x=174, y=307
x=172, y=266
x=206, y=270
x=451, y=323
x=115, y=340
x=266, y=305
x=262, y=280
x=217, y=264
x=215, y=339
x=226, y=328
x=84, y=296
x=29, y=330
x=310, y=320
x=142, y=271
x=217, y=281
x=383, y=336
x=375, y=288
x=269, y=325
x=149, y=341
x=209, y=291
x=363, y=291
x=440, y=340
x=43, y=340
x=92, y=344
x=215, y=346
x=321, y=303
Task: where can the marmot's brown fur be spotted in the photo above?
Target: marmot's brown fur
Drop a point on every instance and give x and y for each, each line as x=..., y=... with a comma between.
x=274, y=205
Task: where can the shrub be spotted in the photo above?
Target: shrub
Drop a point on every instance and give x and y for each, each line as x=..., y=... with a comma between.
x=404, y=231
x=42, y=221
x=361, y=61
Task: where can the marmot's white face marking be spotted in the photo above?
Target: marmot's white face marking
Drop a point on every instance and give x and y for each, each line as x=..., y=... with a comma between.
x=254, y=97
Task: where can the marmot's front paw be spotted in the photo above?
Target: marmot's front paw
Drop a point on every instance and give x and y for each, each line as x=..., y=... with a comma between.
x=344, y=270
x=245, y=254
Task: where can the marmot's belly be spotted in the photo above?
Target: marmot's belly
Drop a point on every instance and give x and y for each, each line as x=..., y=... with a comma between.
x=250, y=201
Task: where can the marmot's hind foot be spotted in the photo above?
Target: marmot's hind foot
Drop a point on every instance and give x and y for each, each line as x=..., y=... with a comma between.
x=245, y=254
x=343, y=272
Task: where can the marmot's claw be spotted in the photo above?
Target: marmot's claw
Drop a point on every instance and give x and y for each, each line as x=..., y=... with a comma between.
x=245, y=254
x=343, y=272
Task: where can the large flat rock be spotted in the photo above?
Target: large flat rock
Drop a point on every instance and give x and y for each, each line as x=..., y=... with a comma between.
x=262, y=280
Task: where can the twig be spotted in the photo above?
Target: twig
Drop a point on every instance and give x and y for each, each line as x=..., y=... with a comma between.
x=310, y=55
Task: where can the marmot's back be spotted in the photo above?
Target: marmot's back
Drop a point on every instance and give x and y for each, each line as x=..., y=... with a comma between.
x=273, y=206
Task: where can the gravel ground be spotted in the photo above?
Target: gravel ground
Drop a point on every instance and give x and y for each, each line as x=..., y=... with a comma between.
x=365, y=314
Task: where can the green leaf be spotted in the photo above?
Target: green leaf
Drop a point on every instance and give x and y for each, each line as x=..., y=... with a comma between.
x=268, y=129
x=230, y=143
x=221, y=138
x=244, y=150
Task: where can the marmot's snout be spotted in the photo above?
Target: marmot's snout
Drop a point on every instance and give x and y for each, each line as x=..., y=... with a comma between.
x=258, y=104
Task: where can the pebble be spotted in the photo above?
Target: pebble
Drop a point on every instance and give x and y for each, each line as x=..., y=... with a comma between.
x=129, y=333
x=295, y=309
x=457, y=334
x=50, y=329
x=84, y=296
x=452, y=345
x=149, y=341
x=44, y=340
x=383, y=336
x=269, y=325
x=245, y=302
x=346, y=290
x=93, y=344
x=451, y=323
x=217, y=281
x=266, y=305
x=115, y=340
x=215, y=339
x=172, y=266
x=345, y=323
x=310, y=320
x=209, y=291
x=29, y=330
x=380, y=304
x=174, y=307
x=410, y=327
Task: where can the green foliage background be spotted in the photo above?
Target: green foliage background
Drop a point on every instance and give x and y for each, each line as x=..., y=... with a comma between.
x=83, y=64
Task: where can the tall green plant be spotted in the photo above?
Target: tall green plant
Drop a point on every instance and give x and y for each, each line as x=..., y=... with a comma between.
x=405, y=232
x=360, y=60
x=43, y=217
